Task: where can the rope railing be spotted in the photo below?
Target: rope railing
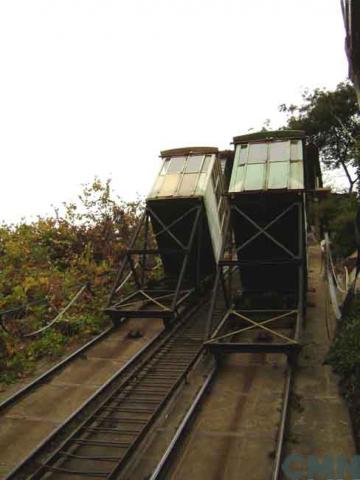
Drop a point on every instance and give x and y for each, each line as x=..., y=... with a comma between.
x=45, y=301
x=331, y=277
x=331, y=265
x=83, y=287
x=19, y=309
x=60, y=314
x=349, y=289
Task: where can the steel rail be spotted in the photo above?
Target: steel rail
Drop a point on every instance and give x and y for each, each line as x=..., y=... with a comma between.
x=283, y=425
x=129, y=370
x=19, y=471
x=123, y=463
x=160, y=472
x=164, y=465
x=46, y=376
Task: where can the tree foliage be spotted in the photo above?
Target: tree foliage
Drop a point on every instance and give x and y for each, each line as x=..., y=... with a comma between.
x=44, y=263
x=344, y=357
x=337, y=214
x=331, y=119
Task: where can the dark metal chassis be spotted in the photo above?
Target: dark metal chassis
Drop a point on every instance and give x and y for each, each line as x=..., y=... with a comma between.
x=231, y=263
x=177, y=284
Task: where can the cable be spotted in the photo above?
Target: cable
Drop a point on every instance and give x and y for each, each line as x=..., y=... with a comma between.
x=59, y=315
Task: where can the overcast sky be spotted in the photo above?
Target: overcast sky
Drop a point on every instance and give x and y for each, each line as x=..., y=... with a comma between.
x=99, y=87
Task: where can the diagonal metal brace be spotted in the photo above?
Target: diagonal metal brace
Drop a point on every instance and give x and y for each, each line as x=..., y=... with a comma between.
x=165, y=228
x=263, y=230
x=256, y=325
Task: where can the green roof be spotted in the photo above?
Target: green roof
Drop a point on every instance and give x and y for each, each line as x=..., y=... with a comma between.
x=270, y=135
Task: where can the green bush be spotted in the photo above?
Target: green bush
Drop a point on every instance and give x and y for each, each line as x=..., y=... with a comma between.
x=43, y=264
x=337, y=215
x=344, y=354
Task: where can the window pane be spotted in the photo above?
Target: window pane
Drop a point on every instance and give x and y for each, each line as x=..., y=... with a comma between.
x=194, y=164
x=296, y=175
x=255, y=177
x=258, y=153
x=169, y=185
x=237, y=155
x=279, y=151
x=176, y=165
x=237, y=179
x=243, y=154
x=188, y=184
x=278, y=175
x=157, y=186
x=165, y=166
x=296, y=150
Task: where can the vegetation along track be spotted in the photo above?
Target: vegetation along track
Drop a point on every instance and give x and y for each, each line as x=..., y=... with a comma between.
x=48, y=375
x=101, y=438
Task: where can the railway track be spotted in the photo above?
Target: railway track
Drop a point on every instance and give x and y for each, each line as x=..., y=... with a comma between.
x=35, y=411
x=235, y=427
x=100, y=439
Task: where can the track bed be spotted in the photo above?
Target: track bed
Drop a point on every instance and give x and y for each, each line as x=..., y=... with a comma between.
x=39, y=412
x=235, y=431
x=102, y=441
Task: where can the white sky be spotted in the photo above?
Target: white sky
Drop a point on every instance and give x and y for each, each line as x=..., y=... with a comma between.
x=99, y=87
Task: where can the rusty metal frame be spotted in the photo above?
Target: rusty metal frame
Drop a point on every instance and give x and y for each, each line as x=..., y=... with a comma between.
x=162, y=302
x=218, y=332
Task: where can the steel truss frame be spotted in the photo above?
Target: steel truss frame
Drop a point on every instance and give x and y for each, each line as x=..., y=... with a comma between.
x=224, y=337
x=145, y=300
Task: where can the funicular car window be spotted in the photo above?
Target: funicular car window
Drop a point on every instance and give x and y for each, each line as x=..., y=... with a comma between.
x=165, y=166
x=190, y=172
x=193, y=164
x=188, y=184
x=296, y=150
x=176, y=165
x=279, y=151
x=258, y=153
x=242, y=154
